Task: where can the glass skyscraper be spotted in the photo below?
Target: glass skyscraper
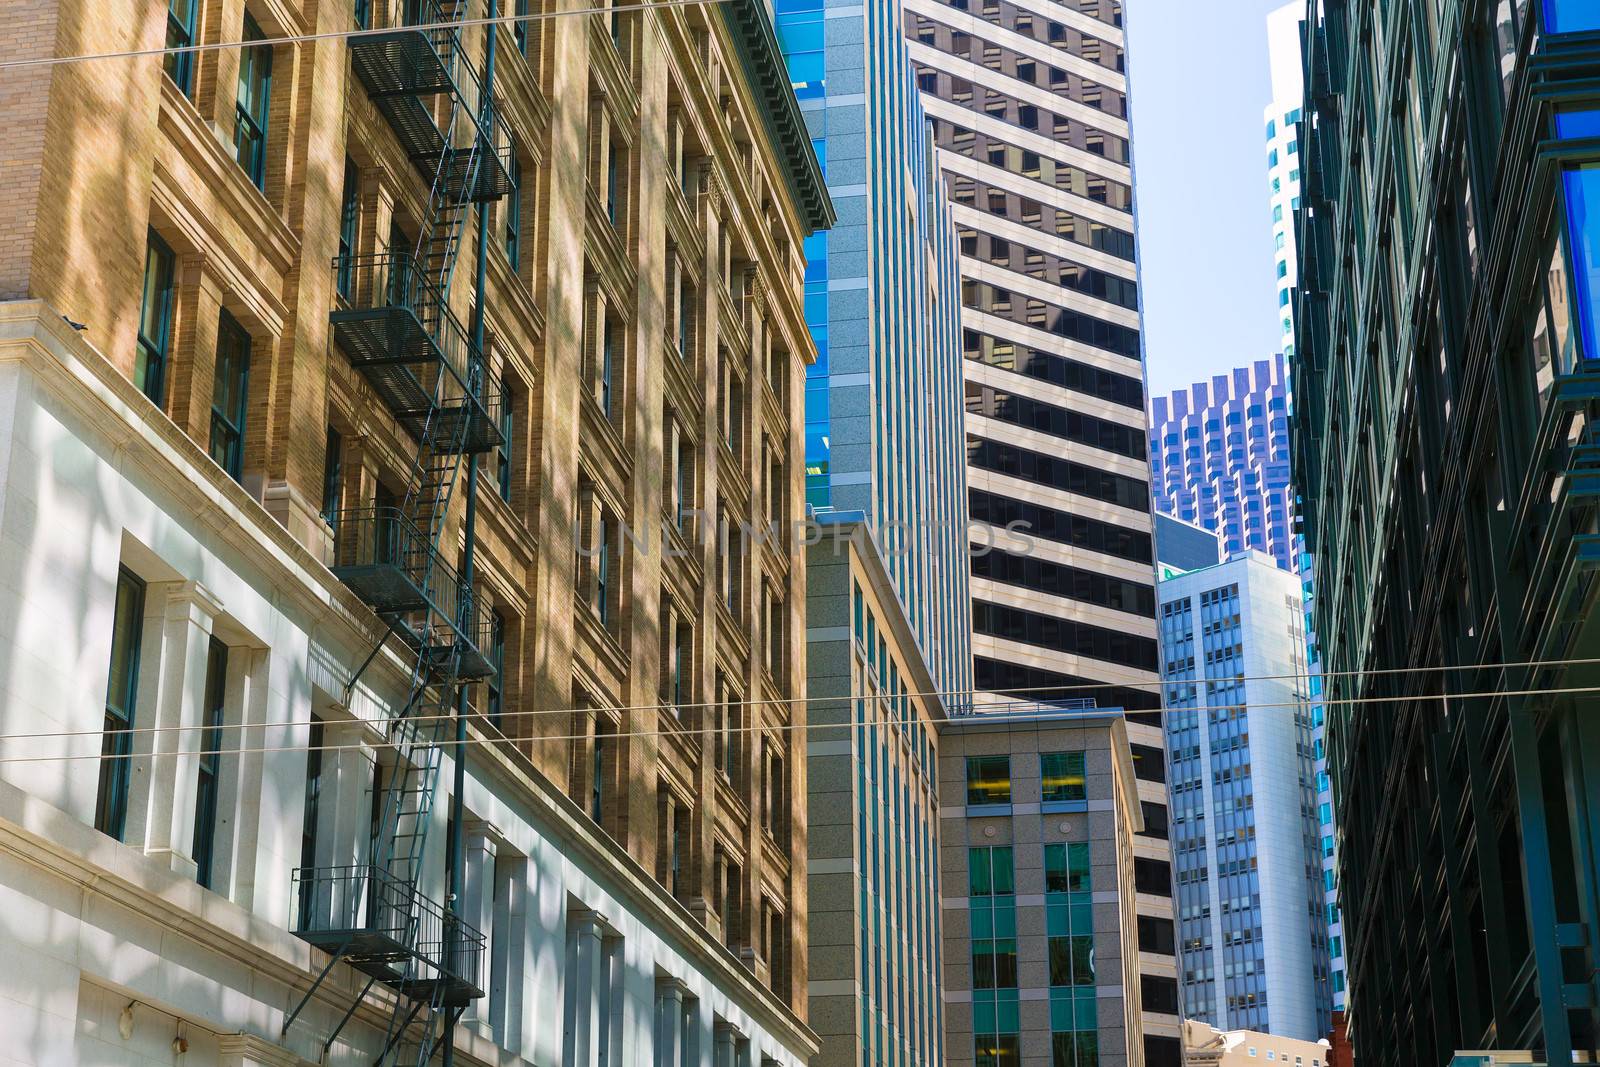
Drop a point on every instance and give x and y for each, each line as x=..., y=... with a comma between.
x=883, y=401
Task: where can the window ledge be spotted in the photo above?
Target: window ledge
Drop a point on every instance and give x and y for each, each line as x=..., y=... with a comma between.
x=988, y=809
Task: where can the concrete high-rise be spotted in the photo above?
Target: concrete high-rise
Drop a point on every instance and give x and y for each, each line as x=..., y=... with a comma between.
x=392, y=375
x=1220, y=458
x=888, y=647
x=1029, y=102
x=1447, y=339
x=1251, y=941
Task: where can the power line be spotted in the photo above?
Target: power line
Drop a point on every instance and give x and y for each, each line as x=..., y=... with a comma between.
x=705, y=730
x=1014, y=695
x=301, y=38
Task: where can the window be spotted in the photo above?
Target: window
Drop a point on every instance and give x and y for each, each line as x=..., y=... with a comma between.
x=1066, y=867
x=1080, y=1048
x=1149, y=763
x=1062, y=777
x=597, y=776
x=994, y=963
x=363, y=14
x=332, y=478
x=613, y=185
x=310, y=817
x=777, y=612
x=678, y=873
x=988, y=780
x=229, y=396
x=685, y=315
x=494, y=685
x=728, y=735
x=1072, y=960
x=206, y=788
x=680, y=668
x=180, y=34
x=519, y=30
x=253, y=105
x=513, y=208
x=607, y=364
x=603, y=594
x=155, y=320
x=349, y=216
x=990, y=872
x=116, y=742
x=1570, y=16
x=996, y=1050
x=504, y=449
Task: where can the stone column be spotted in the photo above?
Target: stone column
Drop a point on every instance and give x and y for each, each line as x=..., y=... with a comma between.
x=477, y=909
x=724, y=1045
x=173, y=749
x=669, y=1025
x=512, y=954
x=345, y=810
x=239, y=802
x=192, y=355
x=588, y=971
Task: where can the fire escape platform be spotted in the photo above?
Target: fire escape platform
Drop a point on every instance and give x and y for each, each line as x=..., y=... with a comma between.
x=391, y=565
x=402, y=71
x=370, y=920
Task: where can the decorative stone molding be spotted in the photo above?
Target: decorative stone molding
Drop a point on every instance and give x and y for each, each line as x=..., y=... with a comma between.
x=248, y=1050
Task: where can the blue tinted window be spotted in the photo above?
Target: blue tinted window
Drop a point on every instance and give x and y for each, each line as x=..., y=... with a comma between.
x=1571, y=16
x=1582, y=187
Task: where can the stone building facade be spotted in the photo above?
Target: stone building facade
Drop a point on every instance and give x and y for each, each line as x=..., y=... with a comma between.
x=194, y=446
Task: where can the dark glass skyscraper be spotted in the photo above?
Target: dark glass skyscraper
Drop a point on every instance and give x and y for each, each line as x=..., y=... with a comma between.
x=1446, y=370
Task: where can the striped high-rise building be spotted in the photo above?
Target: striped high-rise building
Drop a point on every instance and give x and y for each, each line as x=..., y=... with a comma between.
x=1029, y=104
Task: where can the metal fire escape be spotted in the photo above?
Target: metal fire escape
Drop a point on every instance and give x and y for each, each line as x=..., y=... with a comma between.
x=393, y=320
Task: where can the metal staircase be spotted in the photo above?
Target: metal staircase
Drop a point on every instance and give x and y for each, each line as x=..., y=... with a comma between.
x=396, y=326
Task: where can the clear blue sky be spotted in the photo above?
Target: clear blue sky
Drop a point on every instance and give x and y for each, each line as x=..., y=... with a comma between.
x=1200, y=81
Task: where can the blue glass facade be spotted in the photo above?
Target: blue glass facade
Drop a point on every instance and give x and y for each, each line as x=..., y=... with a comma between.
x=884, y=405
x=883, y=419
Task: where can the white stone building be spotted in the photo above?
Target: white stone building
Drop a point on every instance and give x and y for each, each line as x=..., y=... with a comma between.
x=115, y=954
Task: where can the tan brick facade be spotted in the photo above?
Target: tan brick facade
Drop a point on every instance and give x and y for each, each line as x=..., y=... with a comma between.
x=98, y=154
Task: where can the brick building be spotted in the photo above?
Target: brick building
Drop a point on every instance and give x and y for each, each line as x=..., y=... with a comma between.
x=348, y=381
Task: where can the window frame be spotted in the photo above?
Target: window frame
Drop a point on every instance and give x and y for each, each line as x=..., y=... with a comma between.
x=154, y=351
x=228, y=428
x=208, y=767
x=116, y=744
x=179, y=66
x=252, y=111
